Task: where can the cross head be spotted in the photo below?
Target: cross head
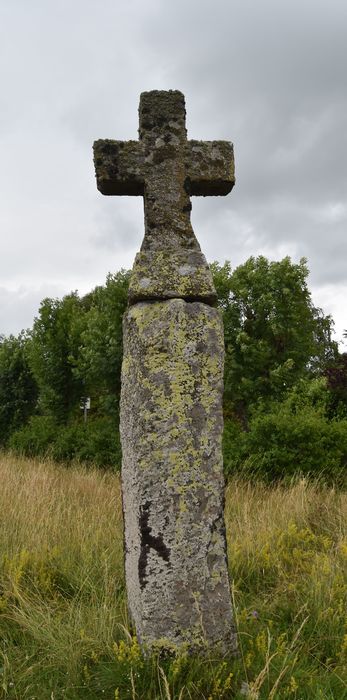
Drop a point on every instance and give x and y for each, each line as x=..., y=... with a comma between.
x=166, y=169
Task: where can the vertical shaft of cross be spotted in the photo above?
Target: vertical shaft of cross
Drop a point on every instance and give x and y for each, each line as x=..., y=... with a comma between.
x=166, y=200
x=170, y=262
x=172, y=387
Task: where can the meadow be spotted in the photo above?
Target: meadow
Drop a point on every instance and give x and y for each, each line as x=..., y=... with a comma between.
x=64, y=630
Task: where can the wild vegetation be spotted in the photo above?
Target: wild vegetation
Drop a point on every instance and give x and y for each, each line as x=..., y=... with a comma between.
x=63, y=622
x=285, y=380
x=64, y=629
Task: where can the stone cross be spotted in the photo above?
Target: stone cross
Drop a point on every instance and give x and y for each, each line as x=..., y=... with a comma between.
x=172, y=386
x=166, y=169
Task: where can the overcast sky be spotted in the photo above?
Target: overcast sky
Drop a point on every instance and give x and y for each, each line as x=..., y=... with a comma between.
x=269, y=75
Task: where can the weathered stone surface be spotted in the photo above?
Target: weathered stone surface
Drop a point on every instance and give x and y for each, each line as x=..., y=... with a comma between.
x=171, y=273
x=172, y=480
x=166, y=169
x=172, y=384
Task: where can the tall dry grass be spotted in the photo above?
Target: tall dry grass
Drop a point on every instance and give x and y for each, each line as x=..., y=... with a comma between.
x=61, y=558
x=63, y=623
x=44, y=505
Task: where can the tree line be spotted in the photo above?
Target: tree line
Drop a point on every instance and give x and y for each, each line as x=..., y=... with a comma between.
x=285, y=399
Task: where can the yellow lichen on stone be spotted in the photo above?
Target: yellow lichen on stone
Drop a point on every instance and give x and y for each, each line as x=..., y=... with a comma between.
x=171, y=423
x=172, y=383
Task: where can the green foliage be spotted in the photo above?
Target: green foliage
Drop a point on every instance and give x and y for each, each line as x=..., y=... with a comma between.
x=35, y=437
x=42, y=572
x=280, y=420
x=336, y=374
x=75, y=350
x=56, y=338
x=99, y=361
x=96, y=441
x=18, y=389
x=274, y=339
x=293, y=436
x=273, y=333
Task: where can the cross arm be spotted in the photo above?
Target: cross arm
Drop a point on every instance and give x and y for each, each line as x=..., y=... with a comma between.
x=118, y=167
x=210, y=167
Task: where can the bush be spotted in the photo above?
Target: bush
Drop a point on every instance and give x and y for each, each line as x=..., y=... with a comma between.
x=293, y=437
x=95, y=442
x=306, y=443
x=35, y=438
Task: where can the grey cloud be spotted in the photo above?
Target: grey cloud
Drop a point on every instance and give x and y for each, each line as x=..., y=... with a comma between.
x=121, y=227
x=18, y=306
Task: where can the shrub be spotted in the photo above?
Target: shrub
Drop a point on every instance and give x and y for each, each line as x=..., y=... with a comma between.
x=288, y=438
x=96, y=441
x=35, y=438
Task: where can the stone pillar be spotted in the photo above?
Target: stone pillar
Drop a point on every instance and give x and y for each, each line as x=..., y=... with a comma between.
x=172, y=384
x=172, y=477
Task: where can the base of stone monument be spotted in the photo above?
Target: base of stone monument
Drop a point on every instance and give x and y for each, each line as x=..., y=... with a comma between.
x=172, y=478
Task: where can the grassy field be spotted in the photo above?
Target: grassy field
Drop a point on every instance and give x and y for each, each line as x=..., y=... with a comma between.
x=64, y=631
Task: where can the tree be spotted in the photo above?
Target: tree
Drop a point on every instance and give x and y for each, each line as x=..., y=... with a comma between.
x=99, y=361
x=75, y=351
x=275, y=340
x=56, y=340
x=336, y=374
x=273, y=333
x=18, y=389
